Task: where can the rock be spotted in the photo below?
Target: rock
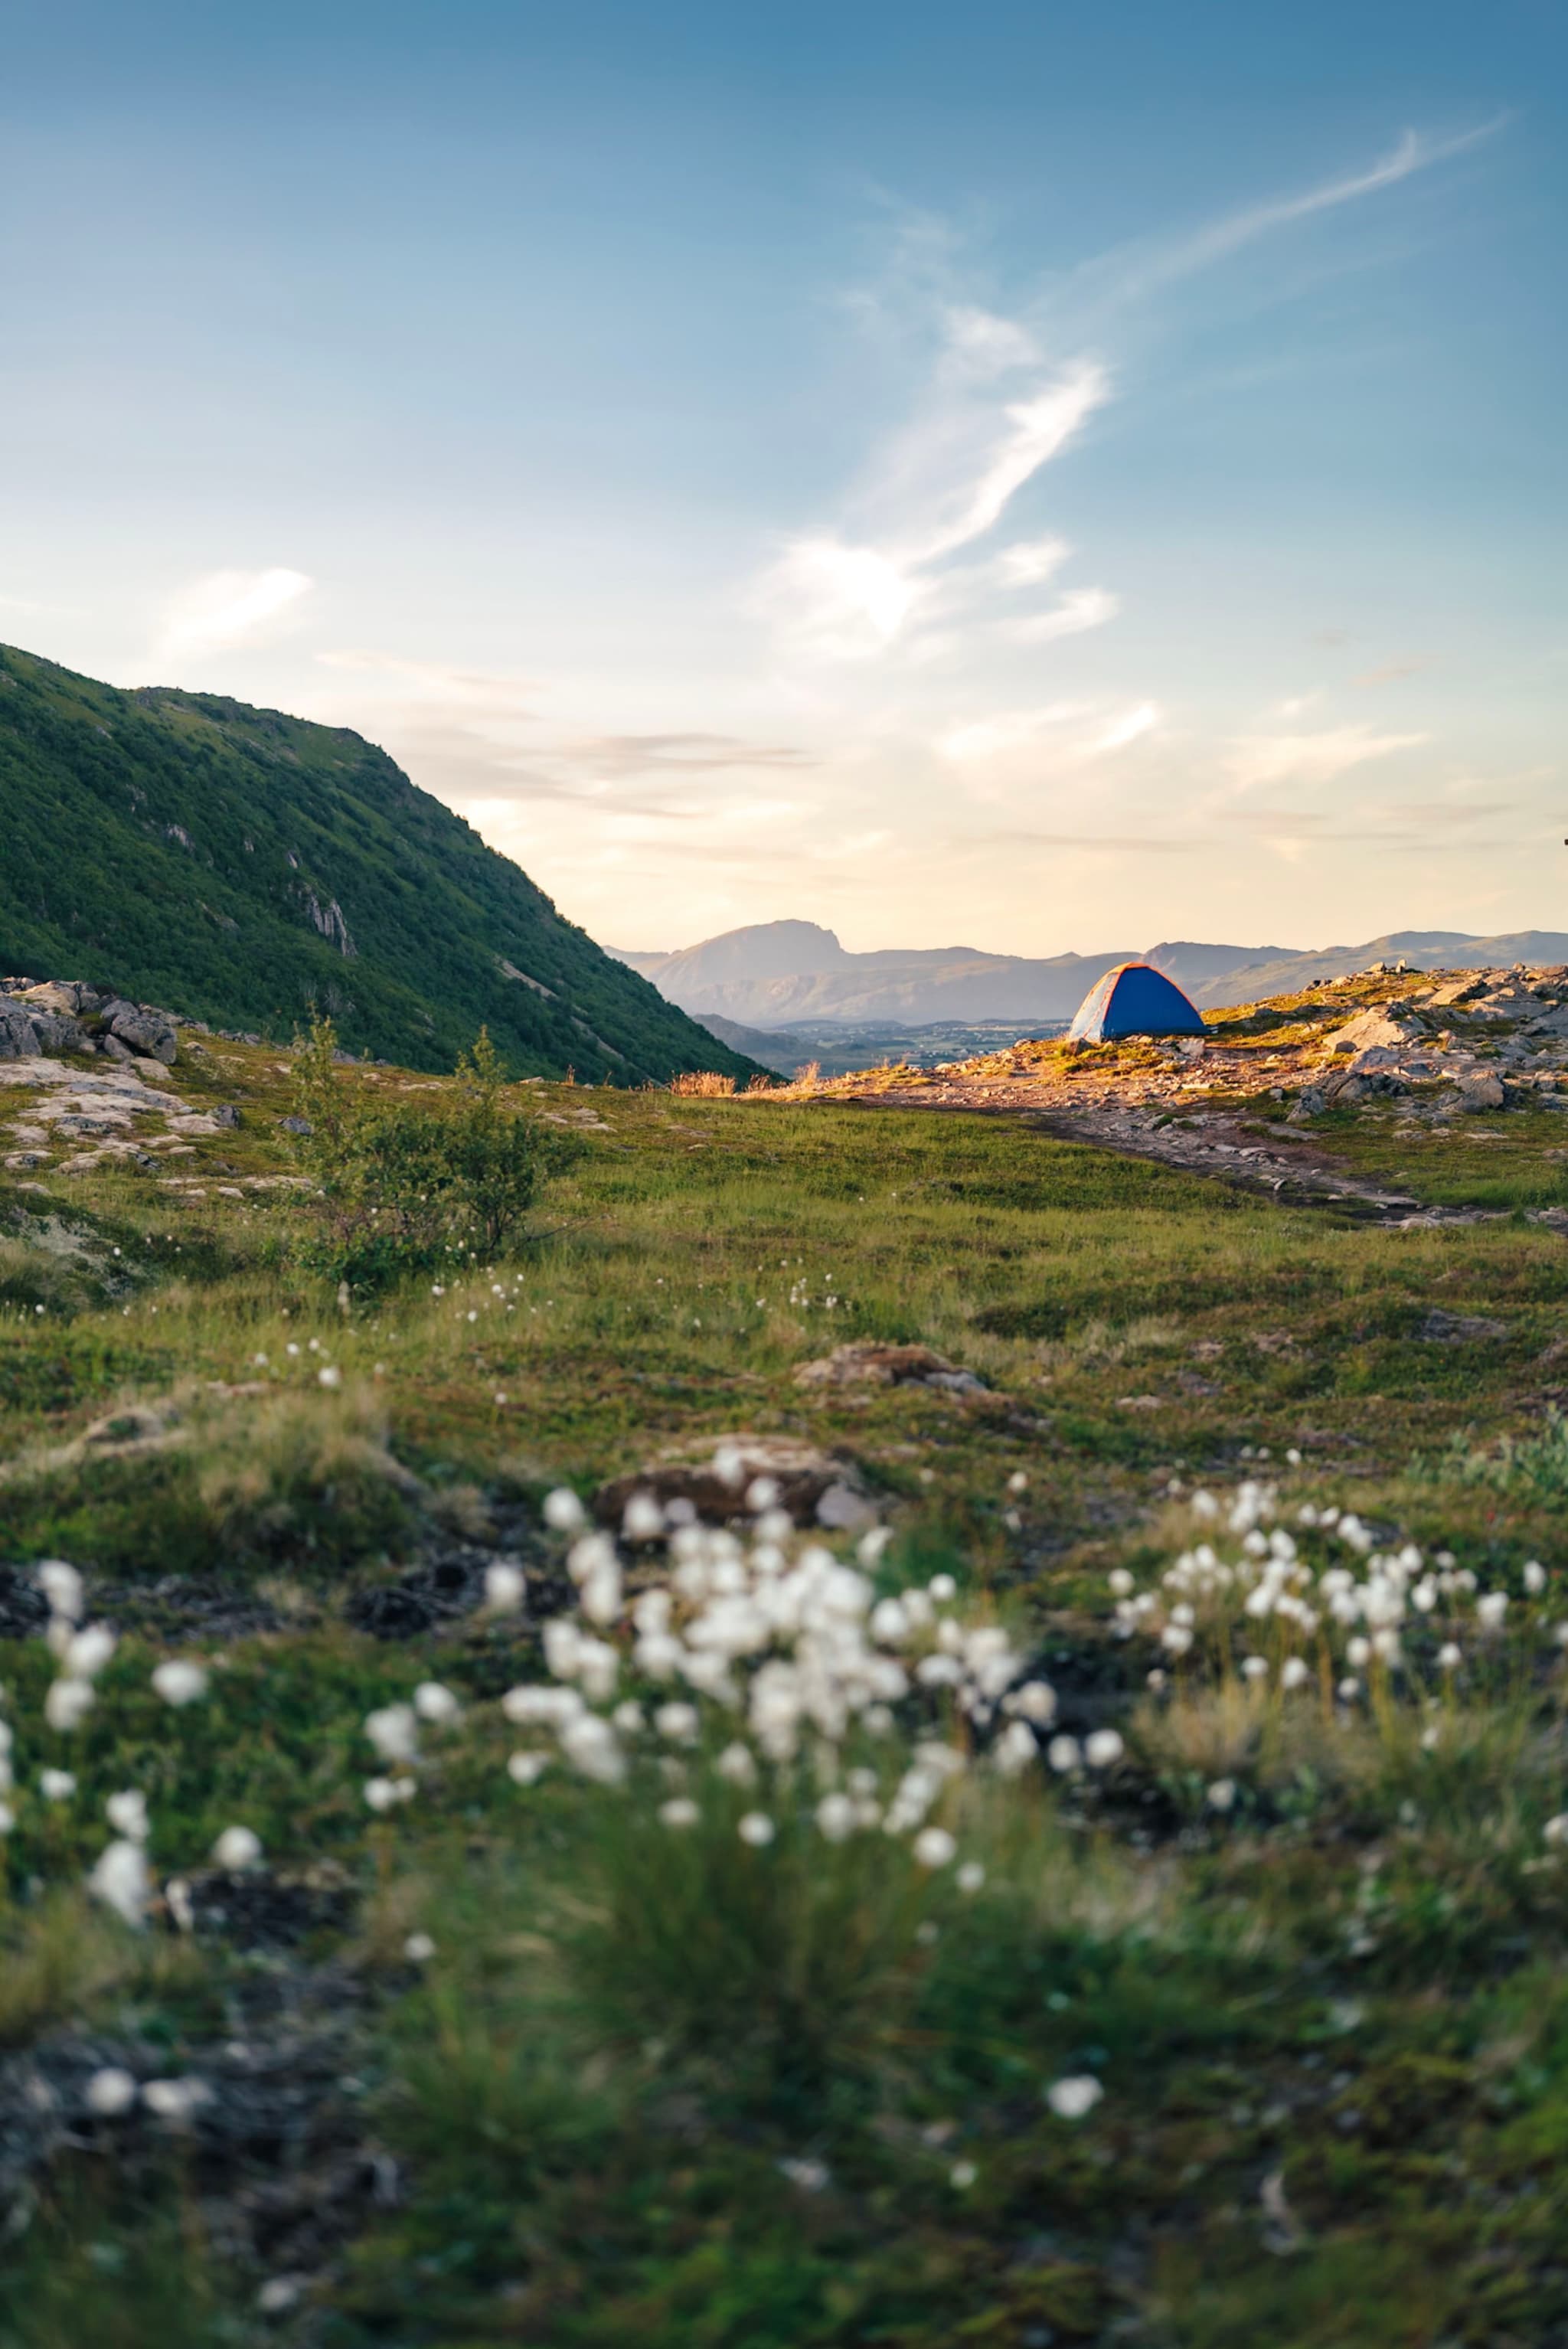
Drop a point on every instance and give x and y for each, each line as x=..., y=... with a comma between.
x=295, y=1125
x=1458, y=990
x=145, y=1030
x=808, y=1482
x=113, y=1049
x=1481, y=1092
x=868, y=1362
x=1440, y=1329
x=57, y=1032
x=1370, y=1030
x=1311, y=1101
x=226, y=1114
x=19, y=1036
x=72, y=999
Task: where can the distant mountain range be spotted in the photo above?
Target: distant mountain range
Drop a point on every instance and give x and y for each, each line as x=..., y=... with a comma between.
x=776, y=975
x=240, y=866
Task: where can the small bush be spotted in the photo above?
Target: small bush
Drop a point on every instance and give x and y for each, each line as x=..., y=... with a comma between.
x=705, y=1082
x=405, y=1189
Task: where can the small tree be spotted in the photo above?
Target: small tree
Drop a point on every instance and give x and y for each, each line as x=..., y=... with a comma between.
x=499, y=1157
x=405, y=1187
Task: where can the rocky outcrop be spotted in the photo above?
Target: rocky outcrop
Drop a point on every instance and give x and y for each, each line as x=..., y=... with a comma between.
x=329, y=923
x=67, y=1015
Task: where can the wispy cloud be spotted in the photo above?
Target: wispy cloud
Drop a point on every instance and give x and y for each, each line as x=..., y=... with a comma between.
x=1081, y=608
x=438, y=681
x=1132, y=273
x=227, y=608
x=1389, y=672
x=944, y=483
x=1258, y=759
x=1003, y=397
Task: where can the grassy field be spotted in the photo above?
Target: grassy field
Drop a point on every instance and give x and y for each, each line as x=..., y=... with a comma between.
x=526, y=2063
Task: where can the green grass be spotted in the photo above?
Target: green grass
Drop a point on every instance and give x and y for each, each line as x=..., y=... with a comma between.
x=1331, y=2023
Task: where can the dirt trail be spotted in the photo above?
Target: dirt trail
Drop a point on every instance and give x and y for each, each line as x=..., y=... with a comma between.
x=1445, y=1046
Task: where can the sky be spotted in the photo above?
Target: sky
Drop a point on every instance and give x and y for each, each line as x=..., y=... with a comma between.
x=1043, y=478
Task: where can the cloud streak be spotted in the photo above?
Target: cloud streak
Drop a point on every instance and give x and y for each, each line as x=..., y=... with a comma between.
x=230, y=608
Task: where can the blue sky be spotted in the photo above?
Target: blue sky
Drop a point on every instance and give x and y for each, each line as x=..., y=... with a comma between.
x=1036, y=477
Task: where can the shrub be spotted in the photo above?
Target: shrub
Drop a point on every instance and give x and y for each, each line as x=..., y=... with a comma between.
x=404, y=1189
x=705, y=1082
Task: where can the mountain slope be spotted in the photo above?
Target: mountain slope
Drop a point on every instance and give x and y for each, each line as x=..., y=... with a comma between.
x=779, y=974
x=1422, y=949
x=241, y=865
x=774, y=973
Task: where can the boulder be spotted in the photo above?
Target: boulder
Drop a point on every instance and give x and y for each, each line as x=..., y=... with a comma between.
x=19, y=1036
x=59, y=1031
x=869, y=1363
x=146, y=1031
x=1370, y=1030
x=812, y=1486
x=73, y=998
x=1481, y=1092
x=1440, y=1329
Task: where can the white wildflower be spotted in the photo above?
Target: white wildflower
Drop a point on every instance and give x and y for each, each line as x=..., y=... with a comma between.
x=434, y=1702
x=524, y=1769
x=1103, y=1748
x=590, y=1745
x=419, y=1949
x=680, y=1811
x=1556, y=1831
x=87, y=1652
x=394, y=1731
x=757, y=1829
x=837, y=1817
x=681, y=1723
x=970, y=1876
x=1035, y=1702
x=56, y=1785
x=934, y=1847
x=644, y=1519
x=1015, y=1750
x=1221, y=1794
x=238, y=1848
x=738, y=1763
x=120, y=1880
x=1071, y=2099
x=1294, y=1674
x=1450, y=1656
x=62, y=1587
x=176, y=2100
x=180, y=1681
x=1064, y=1754
x=109, y=2092
x=126, y=1814
x=563, y=1512
x=505, y=1586
x=1534, y=1577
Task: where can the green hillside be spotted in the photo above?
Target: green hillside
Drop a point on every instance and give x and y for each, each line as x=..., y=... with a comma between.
x=240, y=866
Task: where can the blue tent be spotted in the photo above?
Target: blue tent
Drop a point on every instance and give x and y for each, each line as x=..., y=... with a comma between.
x=1134, y=999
